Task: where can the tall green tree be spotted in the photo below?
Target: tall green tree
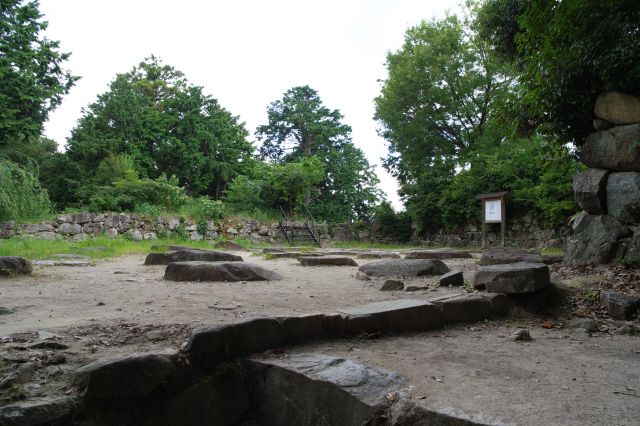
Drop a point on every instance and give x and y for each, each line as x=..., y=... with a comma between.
x=300, y=126
x=32, y=78
x=567, y=52
x=166, y=126
x=436, y=103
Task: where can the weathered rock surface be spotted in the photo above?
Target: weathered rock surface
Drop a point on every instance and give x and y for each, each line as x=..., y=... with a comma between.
x=123, y=377
x=218, y=271
x=39, y=413
x=502, y=255
x=513, y=278
x=190, y=255
x=379, y=255
x=594, y=241
x=463, y=308
x=584, y=323
x=614, y=149
x=453, y=278
x=619, y=306
x=273, y=250
x=327, y=261
x=521, y=335
x=438, y=254
x=405, y=268
x=392, y=285
x=13, y=265
x=623, y=196
x=590, y=190
x=618, y=108
x=19, y=376
x=393, y=315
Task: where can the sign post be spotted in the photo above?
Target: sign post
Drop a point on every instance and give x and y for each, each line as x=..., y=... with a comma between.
x=493, y=211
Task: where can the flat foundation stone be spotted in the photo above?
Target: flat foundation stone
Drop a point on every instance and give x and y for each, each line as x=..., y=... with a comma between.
x=513, y=278
x=326, y=261
x=290, y=255
x=14, y=265
x=393, y=315
x=57, y=411
x=405, y=268
x=438, y=254
x=378, y=255
x=190, y=256
x=218, y=271
x=502, y=255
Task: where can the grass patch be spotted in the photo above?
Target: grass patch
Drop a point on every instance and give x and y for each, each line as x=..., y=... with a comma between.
x=95, y=248
x=551, y=252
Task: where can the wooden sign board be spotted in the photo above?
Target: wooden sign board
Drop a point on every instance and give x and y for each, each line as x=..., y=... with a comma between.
x=493, y=211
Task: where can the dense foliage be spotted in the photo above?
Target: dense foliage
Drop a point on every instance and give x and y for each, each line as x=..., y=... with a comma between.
x=32, y=80
x=446, y=110
x=300, y=126
x=567, y=52
x=166, y=126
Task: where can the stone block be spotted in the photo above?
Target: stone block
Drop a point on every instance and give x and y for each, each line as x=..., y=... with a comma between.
x=594, y=241
x=33, y=228
x=218, y=271
x=69, y=228
x=503, y=255
x=623, y=196
x=590, y=190
x=614, y=149
x=14, y=265
x=463, y=308
x=618, y=108
x=453, y=278
x=123, y=377
x=438, y=254
x=619, y=306
x=513, y=278
x=392, y=316
x=326, y=261
x=58, y=411
x=500, y=303
x=405, y=268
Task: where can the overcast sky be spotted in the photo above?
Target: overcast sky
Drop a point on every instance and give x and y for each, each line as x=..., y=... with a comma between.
x=245, y=53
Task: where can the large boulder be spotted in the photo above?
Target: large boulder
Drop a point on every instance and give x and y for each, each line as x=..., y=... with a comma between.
x=618, y=108
x=623, y=196
x=14, y=265
x=327, y=261
x=595, y=240
x=590, y=190
x=218, y=271
x=190, y=255
x=230, y=245
x=513, y=278
x=614, y=149
x=438, y=254
x=405, y=268
x=392, y=316
x=502, y=255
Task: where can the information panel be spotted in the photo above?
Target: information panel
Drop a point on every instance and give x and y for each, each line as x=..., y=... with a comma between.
x=493, y=211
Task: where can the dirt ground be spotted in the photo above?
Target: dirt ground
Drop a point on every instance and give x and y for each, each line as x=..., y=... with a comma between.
x=121, y=306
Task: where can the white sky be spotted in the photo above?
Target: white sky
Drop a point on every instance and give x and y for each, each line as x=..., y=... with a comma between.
x=245, y=53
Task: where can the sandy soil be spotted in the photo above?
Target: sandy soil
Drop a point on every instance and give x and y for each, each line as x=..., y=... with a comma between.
x=123, y=289
x=121, y=306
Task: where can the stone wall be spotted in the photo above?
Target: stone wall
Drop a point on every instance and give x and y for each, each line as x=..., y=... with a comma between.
x=609, y=190
x=80, y=226
x=521, y=232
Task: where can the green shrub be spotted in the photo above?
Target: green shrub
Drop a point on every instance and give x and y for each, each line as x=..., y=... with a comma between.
x=396, y=225
x=21, y=196
x=132, y=195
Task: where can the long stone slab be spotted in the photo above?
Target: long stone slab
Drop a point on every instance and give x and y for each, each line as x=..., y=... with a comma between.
x=513, y=278
x=438, y=254
x=190, y=256
x=218, y=271
x=502, y=255
x=327, y=261
x=393, y=315
x=405, y=268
